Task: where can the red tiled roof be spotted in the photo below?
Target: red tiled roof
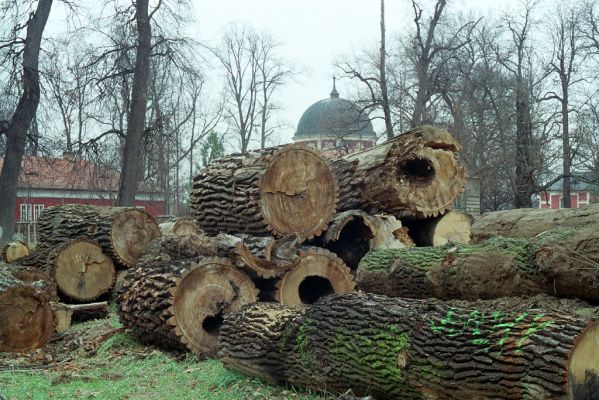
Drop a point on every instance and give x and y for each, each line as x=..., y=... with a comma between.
x=60, y=173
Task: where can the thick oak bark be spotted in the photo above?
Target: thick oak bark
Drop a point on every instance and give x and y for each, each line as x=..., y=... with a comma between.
x=529, y=222
x=395, y=348
x=179, y=304
x=123, y=233
x=26, y=315
x=286, y=190
x=453, y=227
x=415, y=174
x=562, y=263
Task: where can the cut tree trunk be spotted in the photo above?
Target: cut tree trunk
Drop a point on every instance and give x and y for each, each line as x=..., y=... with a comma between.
x=415, y=174
x=354, y=233
x=317, y=273
x=13, y=251
x=180, y=227
x=394, y=348
x=180, y=304
x=81, y=270
x=26, y=315
x=452, y=227
x=280, y=191
x=32, y=275
x=122, y=232
x=529, y=222
x=562, y=263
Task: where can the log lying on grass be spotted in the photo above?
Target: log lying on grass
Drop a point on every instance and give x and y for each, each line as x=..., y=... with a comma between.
x=452, y=227
x=354, y=233
x=15, y=250
x=122, y=232
x=34, y=276
x=280, y=191
x=529, y=222
x=416, y=173
x=25, y=314
x=179, y=304
x=562, y=263
x=316, y=273
x=395, y=348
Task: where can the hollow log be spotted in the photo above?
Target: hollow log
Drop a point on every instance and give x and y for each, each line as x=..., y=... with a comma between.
x=415, y=174
x=180, y=227
x=26, y=315
x=280, y=191
x=354, y=233
x=122, y=232
x=452, y=227
x=317, y=273
x=393, y=348
x=180, y=304
x=529, y=222
x=15, y=250
x=562, y=263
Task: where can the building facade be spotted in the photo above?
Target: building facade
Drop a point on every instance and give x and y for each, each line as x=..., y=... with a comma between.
x=581, y=195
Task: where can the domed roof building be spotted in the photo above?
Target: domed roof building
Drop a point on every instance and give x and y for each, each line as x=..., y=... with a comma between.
x=335, y=125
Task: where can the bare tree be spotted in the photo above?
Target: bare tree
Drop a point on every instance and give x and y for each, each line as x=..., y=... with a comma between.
x=567, y=54
x=26, y=108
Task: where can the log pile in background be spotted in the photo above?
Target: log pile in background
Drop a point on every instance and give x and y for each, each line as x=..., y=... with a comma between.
x=15, y=250
x=395, y=348
x=180, y=227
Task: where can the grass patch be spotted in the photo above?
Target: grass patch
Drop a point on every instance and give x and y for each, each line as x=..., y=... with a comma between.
x=120, y=368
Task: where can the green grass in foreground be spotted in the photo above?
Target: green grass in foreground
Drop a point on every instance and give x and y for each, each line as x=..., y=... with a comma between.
x=123, y=369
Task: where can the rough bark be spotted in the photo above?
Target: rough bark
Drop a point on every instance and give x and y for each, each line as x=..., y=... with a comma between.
x=354, y=233
x=415, y=174
x=137, y=114
x=15, y=250
x=21, y=119
x=180, y=305
x=410, y=349
x=123, y=233
x=452, y=227
x=562, y=263
x=286, y=190
x=34, y=276
x=316, y=273
x=26, y=315
x=529, y=222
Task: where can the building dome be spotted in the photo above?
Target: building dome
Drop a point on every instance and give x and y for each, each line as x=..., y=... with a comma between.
x=334, y=118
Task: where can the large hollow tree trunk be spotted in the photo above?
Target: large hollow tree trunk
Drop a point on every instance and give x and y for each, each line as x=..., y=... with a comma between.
x=123, y=233
x=354, y=233
x=561, y=263
x=179, y=304
x=287, y=190
x=416, y=174
x=26, y=315
x=453, y=227
x=317, y=273
x=410, y=349
x=529, y=222
x=22, y=118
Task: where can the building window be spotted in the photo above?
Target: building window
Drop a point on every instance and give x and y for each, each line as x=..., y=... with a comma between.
x=37, y=210
x=25, y=213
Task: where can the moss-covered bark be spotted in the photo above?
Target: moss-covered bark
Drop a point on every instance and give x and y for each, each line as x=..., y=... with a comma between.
x=564, y=263
x=396, y=348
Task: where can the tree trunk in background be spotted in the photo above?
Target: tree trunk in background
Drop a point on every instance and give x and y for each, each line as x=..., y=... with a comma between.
x=137, y=114
x=566, y=145
x=22, y=119
x=393, y=348
x=524, y=171
x=383, y=77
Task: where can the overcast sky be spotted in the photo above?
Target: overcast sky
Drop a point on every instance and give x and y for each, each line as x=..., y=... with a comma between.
x=313, y=33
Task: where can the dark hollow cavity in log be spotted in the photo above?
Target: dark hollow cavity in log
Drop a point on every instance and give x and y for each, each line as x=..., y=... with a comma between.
x=418, y=170
x=313, y=288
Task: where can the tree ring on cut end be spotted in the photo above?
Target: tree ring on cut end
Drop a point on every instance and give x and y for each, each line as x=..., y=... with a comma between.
x=131, y=232
x=583, y=371
x=204, y=297
x=298, y=192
